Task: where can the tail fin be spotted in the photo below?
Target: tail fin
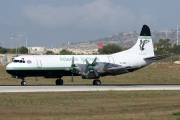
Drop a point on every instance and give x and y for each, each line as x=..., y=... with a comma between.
x=144, y=45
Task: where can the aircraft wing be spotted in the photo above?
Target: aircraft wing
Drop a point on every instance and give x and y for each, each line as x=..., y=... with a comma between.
x=158, y=57
x=115, y=68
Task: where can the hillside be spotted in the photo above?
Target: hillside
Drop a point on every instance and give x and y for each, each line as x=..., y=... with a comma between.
x=129, y=39
x=123, y=39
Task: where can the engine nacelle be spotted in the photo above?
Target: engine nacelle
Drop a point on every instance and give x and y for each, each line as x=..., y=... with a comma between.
x=91, y=75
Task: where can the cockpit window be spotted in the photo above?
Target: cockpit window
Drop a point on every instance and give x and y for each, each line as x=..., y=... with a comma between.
x=16, y=61
x=19, y=61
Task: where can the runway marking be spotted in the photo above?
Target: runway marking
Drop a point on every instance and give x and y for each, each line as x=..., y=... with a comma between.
x=87, y=88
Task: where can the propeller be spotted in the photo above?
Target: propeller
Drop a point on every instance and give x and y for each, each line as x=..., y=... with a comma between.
x=72, y=69
x=91, y=67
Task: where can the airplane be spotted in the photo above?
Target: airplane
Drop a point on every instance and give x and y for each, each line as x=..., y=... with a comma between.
x=86, y=66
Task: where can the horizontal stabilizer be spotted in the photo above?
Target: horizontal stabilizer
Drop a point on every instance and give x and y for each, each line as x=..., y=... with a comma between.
x=132, y=67
x=158, y=57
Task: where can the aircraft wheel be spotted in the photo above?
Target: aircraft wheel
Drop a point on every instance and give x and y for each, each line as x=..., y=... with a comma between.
x=23, y=83
x=59, y=82
x=96, y=82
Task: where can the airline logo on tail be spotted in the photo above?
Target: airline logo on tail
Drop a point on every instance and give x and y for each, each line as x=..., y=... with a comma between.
x=142, y=44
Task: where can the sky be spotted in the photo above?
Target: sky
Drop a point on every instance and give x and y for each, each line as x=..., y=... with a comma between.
x=51, y=23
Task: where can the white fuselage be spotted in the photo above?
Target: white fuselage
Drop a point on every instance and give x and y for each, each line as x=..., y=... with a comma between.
x=64, y=61
x=66, y=65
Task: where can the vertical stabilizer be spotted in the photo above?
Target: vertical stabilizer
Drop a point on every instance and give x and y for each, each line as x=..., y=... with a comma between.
x=143, y=46
x=144, y=43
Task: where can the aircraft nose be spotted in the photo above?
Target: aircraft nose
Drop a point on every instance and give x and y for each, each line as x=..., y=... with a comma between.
x=9, y=68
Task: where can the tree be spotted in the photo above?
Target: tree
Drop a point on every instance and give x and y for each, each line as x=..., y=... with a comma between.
x=109, y=49
x=176, y=49
x=23, y=50
x=49, y=52
x=3, y=50
x=12, y=51
x=163, y=46
x=66, y=52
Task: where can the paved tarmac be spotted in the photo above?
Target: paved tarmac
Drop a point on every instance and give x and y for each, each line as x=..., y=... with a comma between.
x=71, y=88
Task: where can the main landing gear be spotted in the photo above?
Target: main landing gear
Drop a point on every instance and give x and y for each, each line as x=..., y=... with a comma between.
x=59, y=81
x=96, y=82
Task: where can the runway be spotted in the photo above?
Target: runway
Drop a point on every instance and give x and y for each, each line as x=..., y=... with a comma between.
x=71, y=88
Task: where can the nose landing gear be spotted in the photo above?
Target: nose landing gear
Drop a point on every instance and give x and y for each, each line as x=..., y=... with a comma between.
x=23, y=82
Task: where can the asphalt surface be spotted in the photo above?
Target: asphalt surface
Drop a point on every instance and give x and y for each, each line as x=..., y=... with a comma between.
x=71, y=88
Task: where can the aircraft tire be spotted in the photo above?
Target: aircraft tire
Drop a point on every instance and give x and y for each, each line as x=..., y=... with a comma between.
x=59, y=82
x=96, y=82
x=23, y=83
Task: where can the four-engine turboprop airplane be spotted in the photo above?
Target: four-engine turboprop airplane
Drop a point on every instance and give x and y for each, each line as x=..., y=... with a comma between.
x=87, y=66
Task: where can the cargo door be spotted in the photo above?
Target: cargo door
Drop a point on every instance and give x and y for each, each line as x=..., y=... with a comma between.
x=39, y=64
x=111, y=60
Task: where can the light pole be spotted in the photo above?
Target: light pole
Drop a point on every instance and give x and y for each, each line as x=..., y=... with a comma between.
x=177, y=35
x=16, y=40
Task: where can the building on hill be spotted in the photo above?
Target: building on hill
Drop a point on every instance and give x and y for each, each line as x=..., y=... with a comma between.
x=36, y=50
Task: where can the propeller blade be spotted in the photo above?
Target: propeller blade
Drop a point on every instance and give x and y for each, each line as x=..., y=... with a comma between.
x=87, y=62
x=94, y=61
x=96, y=74
x=87, y=74
x=72, y=78
x=72, y=65
x=72, y=69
